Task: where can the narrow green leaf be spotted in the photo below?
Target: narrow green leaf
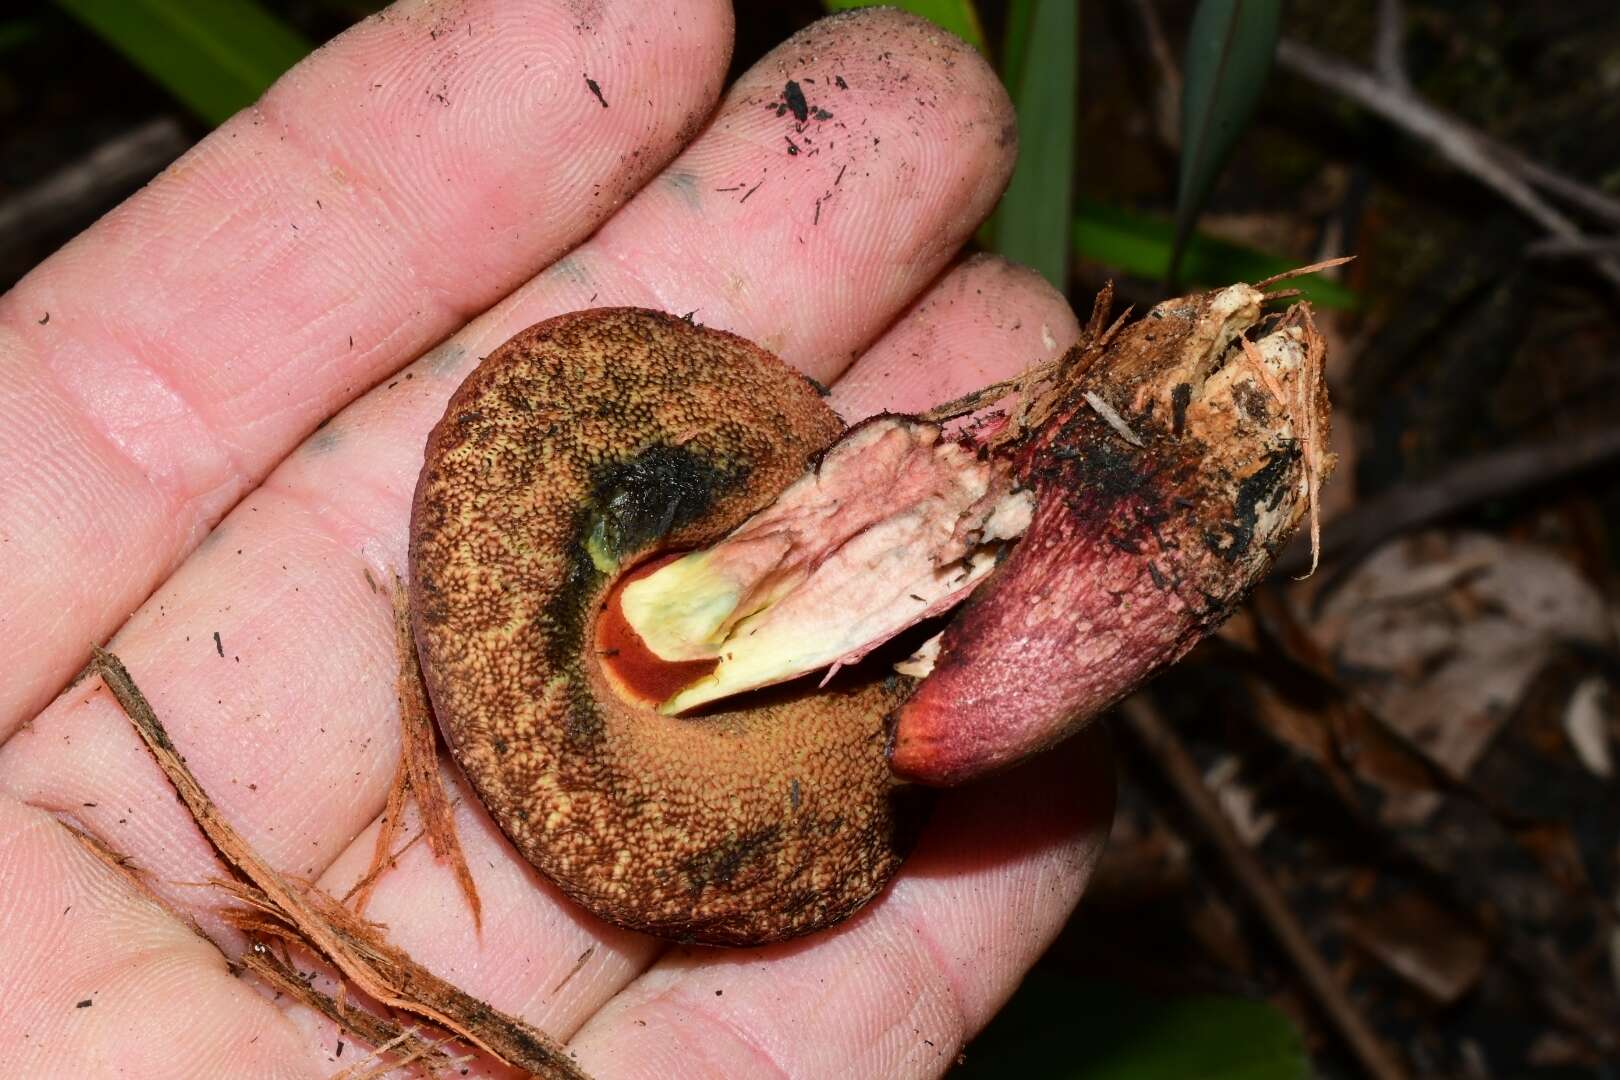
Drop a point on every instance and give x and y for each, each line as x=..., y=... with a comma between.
x=1042, y=62
x=1058, y=1028
x=1141, y=245
x=1230, y=49
x=1015, y=41
x=960, y=17
x=215, y=56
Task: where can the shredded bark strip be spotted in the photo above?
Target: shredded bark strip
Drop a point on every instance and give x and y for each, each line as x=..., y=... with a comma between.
x=418, y=774
x=357, y=949
x=379, y=1031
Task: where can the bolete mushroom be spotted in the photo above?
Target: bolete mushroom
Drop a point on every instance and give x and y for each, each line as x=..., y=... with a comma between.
x=632, y=536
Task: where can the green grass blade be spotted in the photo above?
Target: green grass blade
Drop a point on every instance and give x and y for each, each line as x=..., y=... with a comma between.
x=960, y=17
x=1072, y=1029
x=215, y=56
x=1043, y=45
x=1141, y=245
x=1230, y=49
x=1015, y=41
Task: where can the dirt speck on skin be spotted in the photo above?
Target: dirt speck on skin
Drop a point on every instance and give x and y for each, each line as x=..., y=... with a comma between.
x=595, y=89
x=587, y=13
x=793, y=101
x=693, y=122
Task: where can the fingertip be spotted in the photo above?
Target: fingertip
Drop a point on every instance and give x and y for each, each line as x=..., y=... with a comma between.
x=985, y=320
x=840, y=174
x=926, y=39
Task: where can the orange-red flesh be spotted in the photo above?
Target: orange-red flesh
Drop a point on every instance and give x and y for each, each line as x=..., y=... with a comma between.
x=638, y=673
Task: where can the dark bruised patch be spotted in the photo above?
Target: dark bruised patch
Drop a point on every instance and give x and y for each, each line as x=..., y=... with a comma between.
x=642, y=499
x=717, y=865
x=1253, y=403
x=583, y=727
x=1103, y=466
x=1180, y=398
x=1266, y=485
x=564, y=618
x=635, y=503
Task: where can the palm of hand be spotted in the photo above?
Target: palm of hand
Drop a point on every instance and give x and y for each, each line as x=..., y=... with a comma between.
x=413, y=172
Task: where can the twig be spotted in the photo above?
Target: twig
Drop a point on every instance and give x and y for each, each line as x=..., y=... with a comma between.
x=1301, y=271
x=1494, y=475
x=1469, y=150
x=1457, y=883
x=1562, y=247
x=379, y=969
x=1388, y=50
x=1167, y=109
x=419, y=759
x=1182, y=772
x=1392, y=69
x=105, y=173
x=1600, y=205
x=379, y=1031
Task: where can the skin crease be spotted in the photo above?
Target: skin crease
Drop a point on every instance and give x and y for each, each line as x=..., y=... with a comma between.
x=296, y=738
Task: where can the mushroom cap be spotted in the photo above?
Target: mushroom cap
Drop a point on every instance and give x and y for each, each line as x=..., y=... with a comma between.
x=578, y=449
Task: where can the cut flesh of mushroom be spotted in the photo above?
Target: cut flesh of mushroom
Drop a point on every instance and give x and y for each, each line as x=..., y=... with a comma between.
x=895, y=524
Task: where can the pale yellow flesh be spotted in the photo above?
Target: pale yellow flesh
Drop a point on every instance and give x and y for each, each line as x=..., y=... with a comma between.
x=895, y=526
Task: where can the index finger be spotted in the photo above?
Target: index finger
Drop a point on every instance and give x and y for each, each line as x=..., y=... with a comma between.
x=403, y=177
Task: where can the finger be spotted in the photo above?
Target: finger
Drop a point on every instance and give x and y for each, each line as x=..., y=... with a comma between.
x=806, y=236
x=408, y=173
x=898, y=990
x=987, y=320
x=288, y=717
x=98, y=979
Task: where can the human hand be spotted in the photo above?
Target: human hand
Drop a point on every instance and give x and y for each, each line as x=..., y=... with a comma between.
x=409, y=175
